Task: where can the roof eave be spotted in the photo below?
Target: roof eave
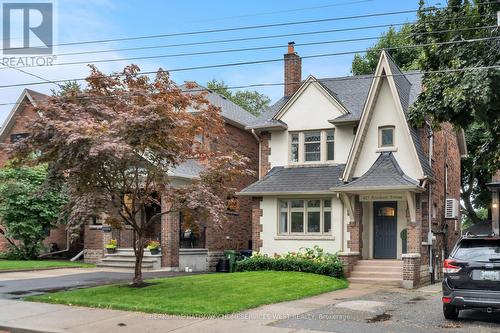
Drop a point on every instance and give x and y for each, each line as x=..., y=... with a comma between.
x=415, y=188
x=282, y=127
x=255, y=194
x=343, y=122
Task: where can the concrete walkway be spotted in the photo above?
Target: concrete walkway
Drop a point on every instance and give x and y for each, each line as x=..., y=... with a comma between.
x=39, y=317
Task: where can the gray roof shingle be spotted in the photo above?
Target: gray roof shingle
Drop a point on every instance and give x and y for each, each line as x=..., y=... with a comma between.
x=297, y=180
x=187, y=169
x=229, y=109
x=385, y=172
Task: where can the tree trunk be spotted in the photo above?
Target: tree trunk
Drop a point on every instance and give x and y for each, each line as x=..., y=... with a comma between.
x=469, y=208
x=139, y=255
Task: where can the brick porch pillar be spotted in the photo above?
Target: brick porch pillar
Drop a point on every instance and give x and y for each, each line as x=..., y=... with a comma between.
x=170, y=238
x=355, y=228
x=411, y=270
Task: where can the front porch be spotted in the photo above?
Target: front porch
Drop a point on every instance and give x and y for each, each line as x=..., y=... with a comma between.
x=385, y=224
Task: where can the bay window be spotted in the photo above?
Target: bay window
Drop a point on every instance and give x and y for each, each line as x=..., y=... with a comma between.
x=305, y=216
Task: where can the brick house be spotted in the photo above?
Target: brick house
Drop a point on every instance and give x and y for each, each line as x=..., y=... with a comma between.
x=342, y=168
x=196, y=246
x=13, y=130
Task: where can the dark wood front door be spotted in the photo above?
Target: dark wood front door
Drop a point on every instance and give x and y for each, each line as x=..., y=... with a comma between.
x=385, y=219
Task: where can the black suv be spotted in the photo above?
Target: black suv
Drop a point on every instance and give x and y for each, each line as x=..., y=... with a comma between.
x=472, y=276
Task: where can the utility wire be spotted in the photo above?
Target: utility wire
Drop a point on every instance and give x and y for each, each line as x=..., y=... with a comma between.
x=345, y=78
x=30, y=74
x=267, y=60
x=251, y=27
x=270, y=37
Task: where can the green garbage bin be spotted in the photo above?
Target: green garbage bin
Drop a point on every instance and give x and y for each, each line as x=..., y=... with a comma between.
x=231, y=256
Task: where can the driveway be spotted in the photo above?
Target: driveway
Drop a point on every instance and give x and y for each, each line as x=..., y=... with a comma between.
x=393, y=310
x=21, y=284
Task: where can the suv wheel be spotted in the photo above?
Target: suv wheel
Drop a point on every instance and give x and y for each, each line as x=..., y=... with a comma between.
x=450, y=311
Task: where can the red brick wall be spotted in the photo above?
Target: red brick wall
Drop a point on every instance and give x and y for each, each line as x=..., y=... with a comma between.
x=355, y=228
x=24, y=117
x=446, y=156
x=236, y=233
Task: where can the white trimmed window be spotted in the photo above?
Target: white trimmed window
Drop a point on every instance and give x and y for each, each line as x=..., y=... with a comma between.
x=312, y=146
x=386, y=136
x=305, y=216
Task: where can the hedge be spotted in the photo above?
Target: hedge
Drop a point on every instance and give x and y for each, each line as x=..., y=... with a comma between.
x=307, y=260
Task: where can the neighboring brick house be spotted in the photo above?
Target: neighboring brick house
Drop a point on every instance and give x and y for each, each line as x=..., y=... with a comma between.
x=205, y=244
x=341, y=167
x=15, y=128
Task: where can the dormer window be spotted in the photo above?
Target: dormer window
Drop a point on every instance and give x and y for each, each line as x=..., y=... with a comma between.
x=386, y=136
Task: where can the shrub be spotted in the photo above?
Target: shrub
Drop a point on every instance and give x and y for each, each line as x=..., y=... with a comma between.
x=307, y=260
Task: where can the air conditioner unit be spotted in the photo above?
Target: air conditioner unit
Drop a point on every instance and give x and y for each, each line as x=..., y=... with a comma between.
x=451, y=209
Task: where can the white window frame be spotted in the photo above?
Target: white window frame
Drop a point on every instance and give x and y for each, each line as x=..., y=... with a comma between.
x=305, y=210
x=302, y=147
x=386, y=127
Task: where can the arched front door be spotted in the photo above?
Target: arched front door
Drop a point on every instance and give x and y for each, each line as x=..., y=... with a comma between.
x=385, y=227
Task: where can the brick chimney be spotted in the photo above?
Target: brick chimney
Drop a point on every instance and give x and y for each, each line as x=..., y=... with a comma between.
x=293, y=70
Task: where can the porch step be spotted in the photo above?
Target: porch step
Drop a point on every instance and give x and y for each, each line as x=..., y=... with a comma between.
x=121, y=264
x=381, y=281
x=125, y=258
x=377, y=274
x=383, y=272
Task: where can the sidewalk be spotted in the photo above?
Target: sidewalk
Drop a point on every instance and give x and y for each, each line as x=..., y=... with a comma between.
x=39, y=317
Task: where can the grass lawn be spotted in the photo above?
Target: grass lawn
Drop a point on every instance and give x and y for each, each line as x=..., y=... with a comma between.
x=6, y=265
x=206, y=294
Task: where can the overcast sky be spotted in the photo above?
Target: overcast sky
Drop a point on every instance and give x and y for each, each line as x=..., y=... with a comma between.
x=82, y=20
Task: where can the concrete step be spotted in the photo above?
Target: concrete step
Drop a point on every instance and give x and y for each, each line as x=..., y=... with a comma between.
x=124, y=265
x=383, y=263
x=380, y=281
x=128, y=259
x=375, y=274
x=374, y=268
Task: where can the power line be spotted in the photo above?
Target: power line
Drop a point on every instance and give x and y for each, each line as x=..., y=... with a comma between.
x=28, y=73
x=251, y=27
x=270, y=37
x=268, y=60
x=175, y=55
x=346, y=78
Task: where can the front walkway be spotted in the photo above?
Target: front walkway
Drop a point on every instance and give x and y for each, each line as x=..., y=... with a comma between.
x=61, y=318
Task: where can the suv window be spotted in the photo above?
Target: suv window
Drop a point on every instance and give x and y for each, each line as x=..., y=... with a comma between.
x=478, y=250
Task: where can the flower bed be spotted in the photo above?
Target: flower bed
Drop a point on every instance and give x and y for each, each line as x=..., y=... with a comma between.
x=313, y=260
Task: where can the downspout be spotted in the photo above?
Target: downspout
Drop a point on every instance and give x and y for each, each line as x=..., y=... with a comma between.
x=430, y=206
x=260, y=149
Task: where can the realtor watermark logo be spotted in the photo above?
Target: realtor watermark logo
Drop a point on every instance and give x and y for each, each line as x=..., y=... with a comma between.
x=27, y=33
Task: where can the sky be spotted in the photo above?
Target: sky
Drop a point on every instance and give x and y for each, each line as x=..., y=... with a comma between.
x=88, y=20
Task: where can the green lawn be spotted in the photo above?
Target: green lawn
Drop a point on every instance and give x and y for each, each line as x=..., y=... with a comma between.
x=206, y=294
x=6, y=265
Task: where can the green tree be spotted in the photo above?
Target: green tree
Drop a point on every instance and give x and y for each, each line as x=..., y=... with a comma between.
x=468, y=99
x=406, y=59
x=27, y=215
x=67, y=88
x=250, y=100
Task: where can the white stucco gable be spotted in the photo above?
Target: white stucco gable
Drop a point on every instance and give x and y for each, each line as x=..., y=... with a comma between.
x=310, y=107
x=383, y=108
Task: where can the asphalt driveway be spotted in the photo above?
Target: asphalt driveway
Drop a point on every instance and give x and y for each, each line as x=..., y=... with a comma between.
x=37, y=282
x=392, y=311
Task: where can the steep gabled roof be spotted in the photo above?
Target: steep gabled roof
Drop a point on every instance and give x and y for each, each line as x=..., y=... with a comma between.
x=401, y=88
x=384, y=173
x=28, y=95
